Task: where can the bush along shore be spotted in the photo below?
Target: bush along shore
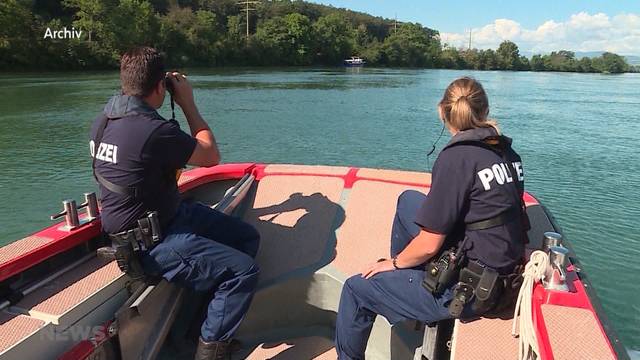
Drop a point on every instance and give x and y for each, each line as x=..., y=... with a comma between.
x=90, y=34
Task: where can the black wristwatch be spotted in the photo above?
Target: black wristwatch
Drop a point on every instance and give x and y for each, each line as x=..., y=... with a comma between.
x=394, y=261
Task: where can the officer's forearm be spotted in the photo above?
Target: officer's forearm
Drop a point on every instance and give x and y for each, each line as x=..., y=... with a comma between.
x=194, y=119
x=420, y=249
x=204, y=136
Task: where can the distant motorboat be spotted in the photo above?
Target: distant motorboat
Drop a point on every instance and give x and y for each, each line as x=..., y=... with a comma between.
x=354, y=61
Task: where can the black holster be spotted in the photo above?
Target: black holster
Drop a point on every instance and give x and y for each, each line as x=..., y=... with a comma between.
x=128, y=245
x=442, y=273
x=486, y=284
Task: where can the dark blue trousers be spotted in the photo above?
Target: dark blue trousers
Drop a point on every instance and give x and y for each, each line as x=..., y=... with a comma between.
x=206, y=250
x=397, y=295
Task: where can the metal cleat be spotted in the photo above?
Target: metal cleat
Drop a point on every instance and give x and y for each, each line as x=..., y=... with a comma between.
x=556, y=276
x=70, y=213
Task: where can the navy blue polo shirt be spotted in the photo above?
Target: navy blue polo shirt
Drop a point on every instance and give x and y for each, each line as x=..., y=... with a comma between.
x=471, y=183
x=139, y=148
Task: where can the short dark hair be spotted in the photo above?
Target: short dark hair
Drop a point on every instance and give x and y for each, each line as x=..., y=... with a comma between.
x=140, y=70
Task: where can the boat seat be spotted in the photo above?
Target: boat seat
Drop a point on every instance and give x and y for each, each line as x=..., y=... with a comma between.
x=150, y=311
x=483, y=339
x=296, y=217
x=567, y=324
x=491, y=339
x=72, y=295
x=316, y=231
x=21, y=338
x=366, y=232
x=63, y=311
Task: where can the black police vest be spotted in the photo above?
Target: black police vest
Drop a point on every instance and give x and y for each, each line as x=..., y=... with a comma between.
x=137, y=192
x=133, y=191
x=499, y=145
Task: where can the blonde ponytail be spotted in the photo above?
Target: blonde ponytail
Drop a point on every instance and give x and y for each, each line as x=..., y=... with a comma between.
x=465, y=105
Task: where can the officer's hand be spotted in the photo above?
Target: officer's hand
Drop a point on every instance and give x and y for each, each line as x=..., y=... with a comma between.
x=377, y=267
x=182, y=91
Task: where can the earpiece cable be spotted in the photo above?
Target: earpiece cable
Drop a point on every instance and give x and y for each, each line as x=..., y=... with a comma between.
x=433, y=147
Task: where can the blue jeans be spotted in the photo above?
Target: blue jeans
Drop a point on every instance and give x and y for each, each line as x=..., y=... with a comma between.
x=397, y=295
x=206, y=250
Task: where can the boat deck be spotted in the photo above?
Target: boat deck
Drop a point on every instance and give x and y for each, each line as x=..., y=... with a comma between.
x=319, y=226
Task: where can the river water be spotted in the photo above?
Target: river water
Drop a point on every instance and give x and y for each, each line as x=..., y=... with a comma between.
x=578, y=135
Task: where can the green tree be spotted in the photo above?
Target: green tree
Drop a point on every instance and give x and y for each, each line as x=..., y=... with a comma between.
x=524, y=64
x=372, y=52
x=488, y=60
x=537, y=63
x=173, y=35
x=235, y=32
x=451, y=58
x=508, y=55
x=412, y=45
x=286, y=40
x=134, y=23
x=562, y=60
x=611, y=63
x=90, y=16
x=16, y=34
x=335, y=38
x=471, y=59
x=300, y=36
x=584, y=65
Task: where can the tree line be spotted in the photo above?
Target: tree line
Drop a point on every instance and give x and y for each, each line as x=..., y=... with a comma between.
x=214, y=33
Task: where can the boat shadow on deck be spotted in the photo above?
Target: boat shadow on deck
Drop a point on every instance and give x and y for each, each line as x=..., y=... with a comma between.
x=298, y=237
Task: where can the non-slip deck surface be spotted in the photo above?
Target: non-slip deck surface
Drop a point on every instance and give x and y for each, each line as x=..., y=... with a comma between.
x=22, y=246
x=395, y=175
x=484, y=339
x=295, y=216
x=365, y=235
x=317, y=220
x=310, y=223
x=306, y=169
x=15, y=328
x=575, y=334
x=70, y=289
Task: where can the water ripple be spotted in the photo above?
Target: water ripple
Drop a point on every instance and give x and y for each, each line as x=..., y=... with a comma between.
x=577, y=135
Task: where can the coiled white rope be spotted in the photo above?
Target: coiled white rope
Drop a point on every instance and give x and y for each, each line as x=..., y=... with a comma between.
x=533, y=272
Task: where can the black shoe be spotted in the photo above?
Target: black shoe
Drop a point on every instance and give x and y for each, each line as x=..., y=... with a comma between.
x=214, y=350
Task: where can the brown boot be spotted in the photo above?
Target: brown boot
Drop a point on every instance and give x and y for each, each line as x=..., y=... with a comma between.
x=214, y=350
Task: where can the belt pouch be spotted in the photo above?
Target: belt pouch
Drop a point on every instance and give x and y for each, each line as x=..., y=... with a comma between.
x=486, y=291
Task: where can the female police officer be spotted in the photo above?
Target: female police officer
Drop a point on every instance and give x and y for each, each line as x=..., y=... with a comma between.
x=475, y=196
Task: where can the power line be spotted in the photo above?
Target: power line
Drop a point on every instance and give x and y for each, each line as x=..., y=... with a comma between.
x=395, y=23
x=247, y=7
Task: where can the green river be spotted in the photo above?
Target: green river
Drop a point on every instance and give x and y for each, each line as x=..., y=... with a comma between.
x=578, y=135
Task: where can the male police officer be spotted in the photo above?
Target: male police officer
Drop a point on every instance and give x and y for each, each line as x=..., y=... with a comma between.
x=136, y=155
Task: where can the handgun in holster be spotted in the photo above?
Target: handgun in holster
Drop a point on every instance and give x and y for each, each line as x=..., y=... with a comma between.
x=442, y=273
x=128, y=245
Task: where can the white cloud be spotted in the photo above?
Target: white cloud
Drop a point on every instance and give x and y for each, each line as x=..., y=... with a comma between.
x=581, y=32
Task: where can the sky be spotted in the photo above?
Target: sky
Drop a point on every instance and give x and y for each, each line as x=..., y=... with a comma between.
x=538, y=26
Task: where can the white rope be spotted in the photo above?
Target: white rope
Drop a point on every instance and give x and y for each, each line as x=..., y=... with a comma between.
x=533, y=272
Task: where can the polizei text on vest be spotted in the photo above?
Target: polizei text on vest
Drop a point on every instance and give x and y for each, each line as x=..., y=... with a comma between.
x=62, y=34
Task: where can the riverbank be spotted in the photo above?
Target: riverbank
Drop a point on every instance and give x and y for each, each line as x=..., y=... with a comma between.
x=278, y=33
